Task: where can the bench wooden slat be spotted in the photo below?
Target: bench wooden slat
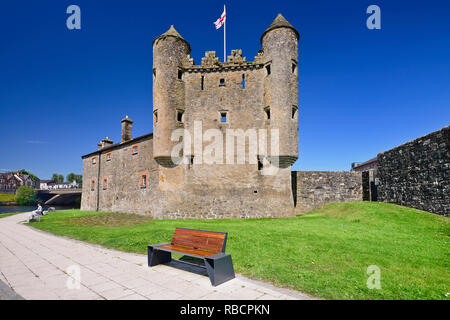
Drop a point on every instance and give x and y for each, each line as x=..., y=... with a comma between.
x=214, y=248
x=200, y=233
x=200, y=239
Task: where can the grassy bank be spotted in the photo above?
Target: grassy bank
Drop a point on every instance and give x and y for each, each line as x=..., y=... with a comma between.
x=325, y=253
x=4, y=215
x=7, y=197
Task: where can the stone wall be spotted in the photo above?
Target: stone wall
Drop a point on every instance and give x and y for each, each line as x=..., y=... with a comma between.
x=122, y=170
x=417, y=174
x=317, y=188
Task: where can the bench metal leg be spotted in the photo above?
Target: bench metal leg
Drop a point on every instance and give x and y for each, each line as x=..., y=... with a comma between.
x=156, y=256
x=220, y=268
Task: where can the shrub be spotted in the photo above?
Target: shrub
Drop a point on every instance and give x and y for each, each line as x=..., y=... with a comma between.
x=26, y=195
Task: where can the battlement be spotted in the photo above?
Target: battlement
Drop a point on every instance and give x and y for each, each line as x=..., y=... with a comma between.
x=211, y=63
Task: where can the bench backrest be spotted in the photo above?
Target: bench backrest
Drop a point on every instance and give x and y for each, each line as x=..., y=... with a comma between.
x=200, y=239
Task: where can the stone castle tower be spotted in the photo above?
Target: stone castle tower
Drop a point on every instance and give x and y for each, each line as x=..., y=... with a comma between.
x=214, y=98
x=259, y=94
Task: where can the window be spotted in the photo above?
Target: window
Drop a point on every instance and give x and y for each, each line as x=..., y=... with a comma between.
x=268, y=69
x=92, y=184
x=144, y=178
x=105, y=183
x=154, y=73
x=223, y=116
x=243, y=81
x=155, y=116
x=135, y=149
x=294, y=112
x=94, y=160
x=203, y=83
x=267, y=113
x=294, y=67
x=108, y=156
x=222, y=83
x=180, y=74
x=180, y=116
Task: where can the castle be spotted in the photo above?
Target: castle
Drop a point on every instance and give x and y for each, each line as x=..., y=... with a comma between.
x=142, y=175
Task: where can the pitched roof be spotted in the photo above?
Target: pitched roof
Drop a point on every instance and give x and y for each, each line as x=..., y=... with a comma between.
x=114, y=146
x=172, y=33
x=280, y=22
x=373, y=160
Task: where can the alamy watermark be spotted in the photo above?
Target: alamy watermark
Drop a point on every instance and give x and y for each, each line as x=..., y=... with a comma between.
x=374, y=280
x=73, y=22
x=374, y=20
x=208, y=147
x=74, y=279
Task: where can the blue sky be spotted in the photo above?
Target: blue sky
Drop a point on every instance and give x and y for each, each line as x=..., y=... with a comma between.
x=361, y=91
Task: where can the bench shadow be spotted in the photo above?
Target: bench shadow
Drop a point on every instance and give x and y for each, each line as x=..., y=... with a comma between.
x=189, y=264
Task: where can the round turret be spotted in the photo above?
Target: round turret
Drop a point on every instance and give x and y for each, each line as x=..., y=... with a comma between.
x=170, y=50
x=280, y=47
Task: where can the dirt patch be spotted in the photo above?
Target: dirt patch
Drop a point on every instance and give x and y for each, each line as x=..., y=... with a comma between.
x=111, y=220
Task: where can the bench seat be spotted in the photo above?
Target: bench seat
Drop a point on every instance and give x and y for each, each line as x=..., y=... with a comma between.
x=206, y=245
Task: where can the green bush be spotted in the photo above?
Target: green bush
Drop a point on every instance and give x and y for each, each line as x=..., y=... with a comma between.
x=26, y=195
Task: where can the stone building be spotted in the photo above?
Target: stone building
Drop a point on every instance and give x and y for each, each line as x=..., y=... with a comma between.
x=365, y=166
x=141, y=174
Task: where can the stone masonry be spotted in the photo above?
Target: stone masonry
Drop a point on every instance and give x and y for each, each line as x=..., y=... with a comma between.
x=417, y=174
x=317, y=188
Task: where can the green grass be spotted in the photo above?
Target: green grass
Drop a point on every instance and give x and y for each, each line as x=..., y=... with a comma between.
x=4, y=215
x=324, y=253
x=7, y=197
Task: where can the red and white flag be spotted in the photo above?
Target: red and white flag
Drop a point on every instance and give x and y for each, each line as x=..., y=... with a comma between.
x=221, y=20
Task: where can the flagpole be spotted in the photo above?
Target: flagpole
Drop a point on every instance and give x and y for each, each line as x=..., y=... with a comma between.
x=224, y=36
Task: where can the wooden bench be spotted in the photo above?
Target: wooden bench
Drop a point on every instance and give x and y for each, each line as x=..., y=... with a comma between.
x=206, y=245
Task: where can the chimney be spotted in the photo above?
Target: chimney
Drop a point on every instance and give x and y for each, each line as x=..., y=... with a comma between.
x=105, y=143
x=127, y=125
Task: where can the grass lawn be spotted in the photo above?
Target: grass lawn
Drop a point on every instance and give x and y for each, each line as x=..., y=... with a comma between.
x=325, y=253
x=7, y=197
x=4, y=215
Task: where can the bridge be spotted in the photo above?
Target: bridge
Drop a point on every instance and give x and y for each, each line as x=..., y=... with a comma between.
x=59, y=196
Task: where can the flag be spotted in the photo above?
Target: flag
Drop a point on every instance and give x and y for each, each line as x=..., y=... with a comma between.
x=221, y=20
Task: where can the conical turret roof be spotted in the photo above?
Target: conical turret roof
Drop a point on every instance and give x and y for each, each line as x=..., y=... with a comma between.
x=172, y=33
x=280, y=22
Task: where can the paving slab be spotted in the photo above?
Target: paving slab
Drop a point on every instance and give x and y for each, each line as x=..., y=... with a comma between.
x=39, y=265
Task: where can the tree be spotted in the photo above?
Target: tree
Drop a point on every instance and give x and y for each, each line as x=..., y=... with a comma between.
x=70, y=177
x=55, y=177
x=79, y=179
x=26, y=195
x=74, y=177
x=60, y=178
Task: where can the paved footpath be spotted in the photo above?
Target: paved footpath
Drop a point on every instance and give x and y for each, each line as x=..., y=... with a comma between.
x=39, y=265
